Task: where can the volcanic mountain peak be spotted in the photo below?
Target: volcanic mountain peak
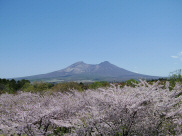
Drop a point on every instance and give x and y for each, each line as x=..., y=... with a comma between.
x=105, y=62
x=77, y=64
x=76, y=68
x=82, y=71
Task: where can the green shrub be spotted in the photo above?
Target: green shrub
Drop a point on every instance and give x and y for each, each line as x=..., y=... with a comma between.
x=131, y=82
x=67, y=86
x=175, y=77
x=60, y=131
x=37, y=87
x=97, y=84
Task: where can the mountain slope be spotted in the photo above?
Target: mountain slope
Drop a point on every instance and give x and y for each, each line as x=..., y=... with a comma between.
x=82, y=71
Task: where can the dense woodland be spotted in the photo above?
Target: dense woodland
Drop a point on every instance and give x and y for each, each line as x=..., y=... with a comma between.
x=11, y=86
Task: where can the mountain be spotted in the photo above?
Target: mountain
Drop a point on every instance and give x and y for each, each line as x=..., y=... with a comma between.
x=105, y=71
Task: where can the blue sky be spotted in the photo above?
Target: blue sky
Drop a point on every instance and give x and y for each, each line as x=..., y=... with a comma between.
x=41, y=36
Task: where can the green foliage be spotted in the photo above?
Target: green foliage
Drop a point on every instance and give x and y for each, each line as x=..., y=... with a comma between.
x=131, y=82
x=60, y=131
x=97, y=84
x=11, y=86
x=175, y=77
x=67, y=86
x=27, y=87
x=36, y=87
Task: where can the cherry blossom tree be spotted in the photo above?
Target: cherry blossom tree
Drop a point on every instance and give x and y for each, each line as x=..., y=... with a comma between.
x=141, y=110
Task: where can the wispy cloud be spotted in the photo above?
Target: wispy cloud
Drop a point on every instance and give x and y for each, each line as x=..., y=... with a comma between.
x=178, y=56
x=175, y=57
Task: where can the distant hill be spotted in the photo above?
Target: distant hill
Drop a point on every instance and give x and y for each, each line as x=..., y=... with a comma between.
x=80, y=71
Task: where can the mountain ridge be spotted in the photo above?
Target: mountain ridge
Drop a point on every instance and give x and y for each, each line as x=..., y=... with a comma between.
x=82, y=71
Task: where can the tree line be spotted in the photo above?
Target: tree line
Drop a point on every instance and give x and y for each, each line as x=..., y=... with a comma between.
x=12, y=86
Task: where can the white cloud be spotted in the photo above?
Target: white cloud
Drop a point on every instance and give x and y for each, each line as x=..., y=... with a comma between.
x=175, y=57
x=180, y=54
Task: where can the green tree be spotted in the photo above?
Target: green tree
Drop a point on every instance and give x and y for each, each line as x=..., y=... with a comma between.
x=67, y=86
x=175, y=77
x=97, y=84
x=131, y=82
